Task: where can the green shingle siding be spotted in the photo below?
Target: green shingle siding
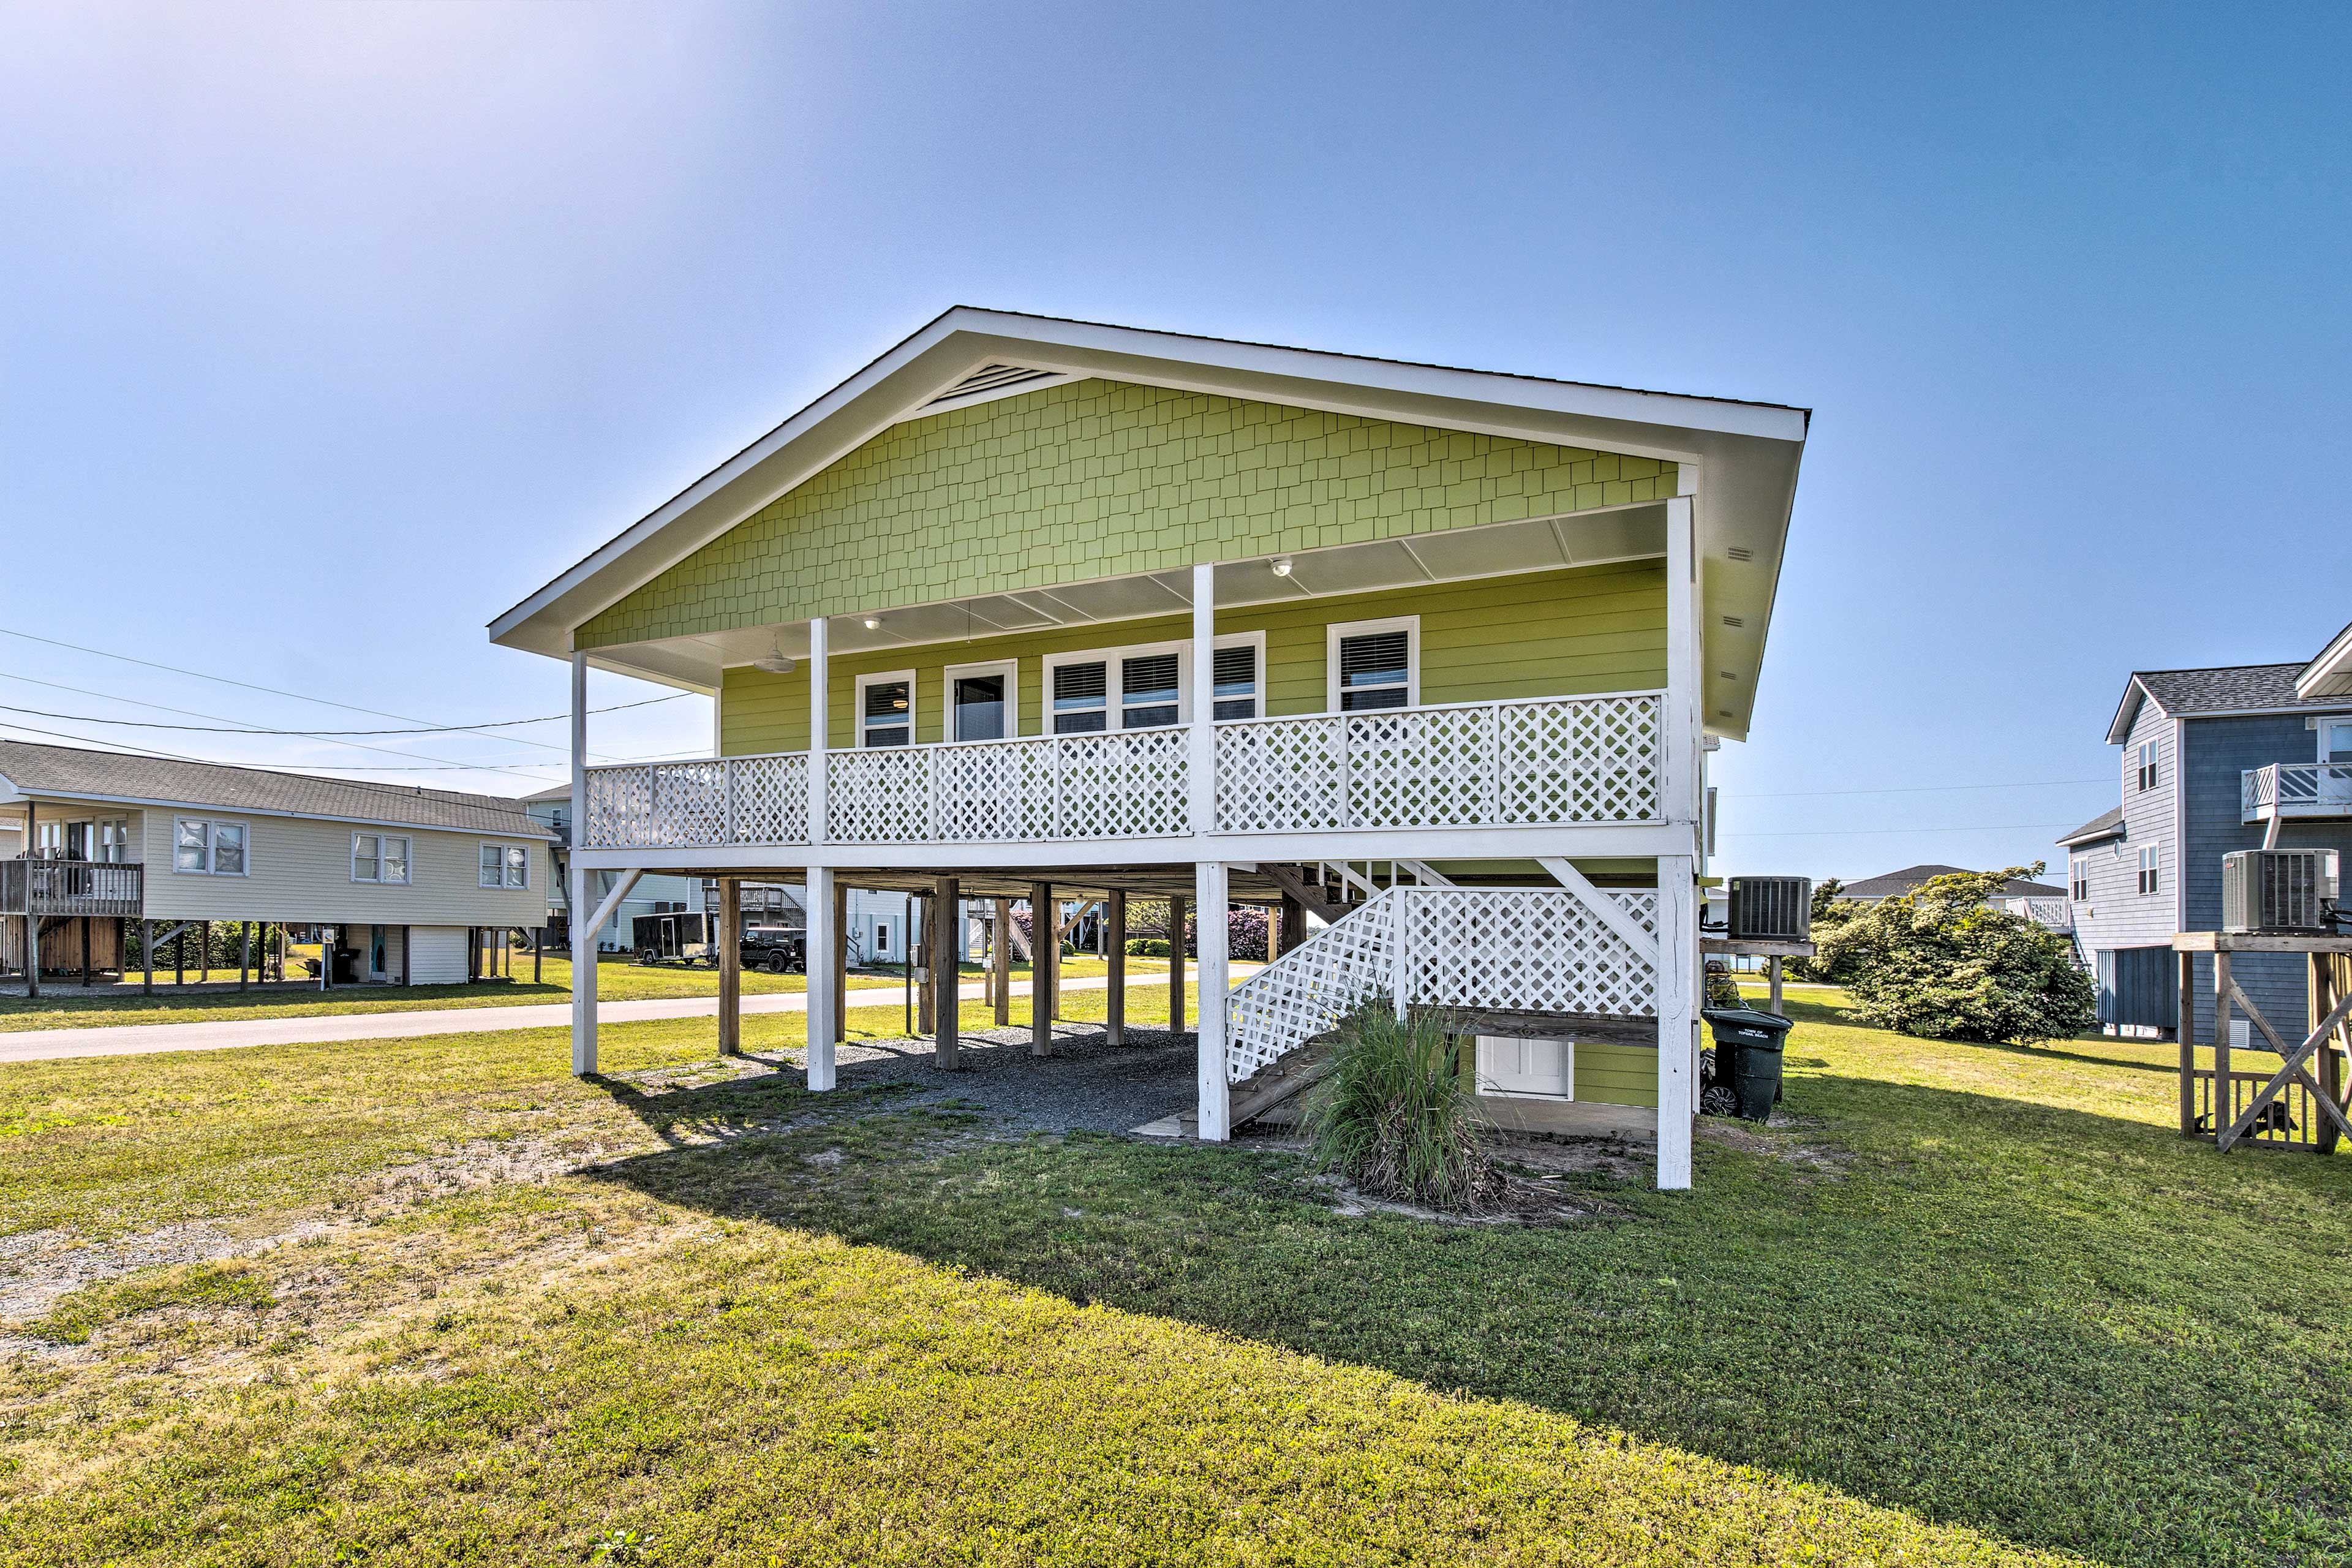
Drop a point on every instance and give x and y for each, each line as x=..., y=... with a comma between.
x=1591, y=629
x=1616, y=1075
x=1100, y=479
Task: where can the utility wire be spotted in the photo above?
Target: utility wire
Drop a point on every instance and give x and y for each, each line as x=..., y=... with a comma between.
x=249, y=686
x=314, y=734
x=1913, y=789
x=1846, y=832
x=409, y=794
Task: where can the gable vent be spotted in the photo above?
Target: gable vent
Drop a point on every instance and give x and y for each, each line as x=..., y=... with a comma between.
x=990, y=378
x=1740, y=553
x=1733, y=621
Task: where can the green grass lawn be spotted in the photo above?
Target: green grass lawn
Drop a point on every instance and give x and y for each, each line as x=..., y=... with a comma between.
x=1970, y=1305
x=617, y=979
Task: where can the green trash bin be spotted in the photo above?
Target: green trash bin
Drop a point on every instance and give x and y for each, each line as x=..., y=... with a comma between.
x=1748, y=1042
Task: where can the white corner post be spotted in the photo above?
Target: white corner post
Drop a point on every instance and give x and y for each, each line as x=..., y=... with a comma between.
x=583, y=935
x=1209, y=884
x=1201, y=769
x=822, y=955
x=819, y=680
x=1678, y=975
x=823, y=964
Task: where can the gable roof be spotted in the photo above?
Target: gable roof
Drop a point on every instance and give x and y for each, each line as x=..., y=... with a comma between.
x=1749, y=452
x=80, y=774
x=2329, y=674
x=2209, y=693
x=2108, y=824
x=1895, y=884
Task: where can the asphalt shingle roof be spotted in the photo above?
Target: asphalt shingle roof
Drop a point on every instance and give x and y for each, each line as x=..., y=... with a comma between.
x=39, y=770
x=2110, y=821
x=1895, y=884
x=2230, y=689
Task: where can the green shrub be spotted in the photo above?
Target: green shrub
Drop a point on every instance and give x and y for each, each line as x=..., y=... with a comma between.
x=1397, y=1115
x=1148, y=946
x=1941, y=964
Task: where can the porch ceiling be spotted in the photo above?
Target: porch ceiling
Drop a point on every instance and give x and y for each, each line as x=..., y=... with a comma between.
x=1581, y=538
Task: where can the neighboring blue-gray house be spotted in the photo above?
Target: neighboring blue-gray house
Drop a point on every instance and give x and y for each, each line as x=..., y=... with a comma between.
x=2213, y=760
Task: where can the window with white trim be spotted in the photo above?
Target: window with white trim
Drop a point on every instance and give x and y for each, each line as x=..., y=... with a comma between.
x=505, y=866
x=2335, y=740
x=881, y=937
x=1234, y=687
x=886, y=709
x=2078, y=879
x=2148, y=869
x=204, y=847
x=1079, y=697
x=380, y=858
x=2147, y=772
x=1150, y=690
x=1374, y=665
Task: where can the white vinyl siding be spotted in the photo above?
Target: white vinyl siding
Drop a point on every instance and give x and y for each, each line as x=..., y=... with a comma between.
x=299, y=870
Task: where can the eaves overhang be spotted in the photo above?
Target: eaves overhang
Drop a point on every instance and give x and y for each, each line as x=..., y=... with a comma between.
x=2330, y=674
x=1748, y=456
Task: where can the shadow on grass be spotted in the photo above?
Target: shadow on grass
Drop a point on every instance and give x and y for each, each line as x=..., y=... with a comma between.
x=2042, y=1323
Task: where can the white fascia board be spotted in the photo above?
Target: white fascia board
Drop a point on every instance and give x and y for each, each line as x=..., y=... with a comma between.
x=2127, y=711
x=2333, y=663
x=1670, y=427
x=216, y=808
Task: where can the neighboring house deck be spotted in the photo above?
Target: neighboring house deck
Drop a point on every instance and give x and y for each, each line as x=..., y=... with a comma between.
x=2212, y=760
x=403, y=875
x=1037, y=608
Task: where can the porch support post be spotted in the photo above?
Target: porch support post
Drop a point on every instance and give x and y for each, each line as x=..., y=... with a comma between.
x=947, y=973
x=147, y=957
x=1000, y=963
x=1176, y=963
x=32, y=954
x=583, y=930
x=1115, y=969
x=244, y=952
x=1045, y=957
x=1293, y=929
x=1216, y=1103
x=1202, y=760
x=2224, y=1102
x=1681, y=717
x=823, y=975
x=820, y=679
x=1678, y=992
x=731, y=966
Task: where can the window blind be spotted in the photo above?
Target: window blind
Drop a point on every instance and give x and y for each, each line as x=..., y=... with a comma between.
x=1373, y=670
x=1237, y=682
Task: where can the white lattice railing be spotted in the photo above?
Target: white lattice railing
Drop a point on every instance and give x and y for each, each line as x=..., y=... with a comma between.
x=699, y=805
x=1128, y=783
x=1539, y=763
x=1466, y=948
x=1542, y=762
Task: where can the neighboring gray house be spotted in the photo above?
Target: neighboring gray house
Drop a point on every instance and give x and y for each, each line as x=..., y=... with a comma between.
x=2213, y=760
x=1911, y=878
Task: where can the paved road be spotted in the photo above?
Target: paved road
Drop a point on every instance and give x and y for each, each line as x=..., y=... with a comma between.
x=140, y=1039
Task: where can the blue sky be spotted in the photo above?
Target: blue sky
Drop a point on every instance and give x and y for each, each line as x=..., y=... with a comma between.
x=332, y=332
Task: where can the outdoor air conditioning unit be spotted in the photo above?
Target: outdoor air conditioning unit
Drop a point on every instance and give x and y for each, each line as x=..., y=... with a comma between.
x=1771, y=909
x=2284, y=890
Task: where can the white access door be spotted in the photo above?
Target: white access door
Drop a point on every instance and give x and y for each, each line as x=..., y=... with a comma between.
x=1533, y=1070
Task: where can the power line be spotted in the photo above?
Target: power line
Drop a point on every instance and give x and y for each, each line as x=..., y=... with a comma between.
x=1850, y=832
x=1913, y=789
x=309, y=734
x=250, y=686
x=350, y=745
x=209, y=763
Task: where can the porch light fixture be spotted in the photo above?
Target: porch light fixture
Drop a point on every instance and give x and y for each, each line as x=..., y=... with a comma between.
x=872, y=622
x=1282, y=565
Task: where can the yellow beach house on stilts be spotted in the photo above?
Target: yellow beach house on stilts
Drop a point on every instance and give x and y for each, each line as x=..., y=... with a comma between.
x=1044, y=609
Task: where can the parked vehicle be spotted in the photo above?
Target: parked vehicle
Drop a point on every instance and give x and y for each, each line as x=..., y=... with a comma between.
x=779, y=950
x=680, y=937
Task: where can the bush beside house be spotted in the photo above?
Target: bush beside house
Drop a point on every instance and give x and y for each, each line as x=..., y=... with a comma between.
x=1943, y=964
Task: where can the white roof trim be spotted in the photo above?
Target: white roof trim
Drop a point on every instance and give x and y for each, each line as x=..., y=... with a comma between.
x=1750, y=451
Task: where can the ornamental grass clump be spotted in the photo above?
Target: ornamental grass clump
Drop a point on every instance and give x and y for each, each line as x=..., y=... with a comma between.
x=1396, y=1113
